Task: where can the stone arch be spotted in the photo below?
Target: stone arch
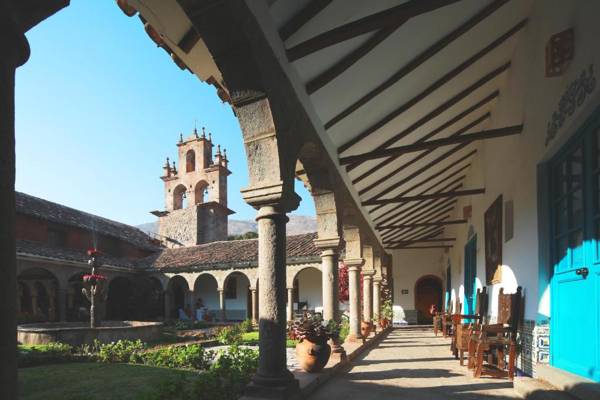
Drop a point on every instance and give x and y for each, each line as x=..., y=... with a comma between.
x=428, y=290
x=308, y=288
x=179, y=197
x=238, y=303
x=190, y=161
x=200, y=190
x=41, y=285
x=77, y=304
x=177, y=296
x=206, y=295
x=119, y=304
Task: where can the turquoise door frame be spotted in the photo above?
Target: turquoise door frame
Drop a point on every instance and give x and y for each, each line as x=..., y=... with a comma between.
x=575, y=229
x=470, y=275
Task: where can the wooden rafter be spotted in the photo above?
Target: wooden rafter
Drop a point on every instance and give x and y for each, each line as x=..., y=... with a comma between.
x=421, y=224
x=400, y=242
x=420, y=247
x=412, y=233
x=419, y=171
x=486, y=100
x=338, y=68
x=307, y=13
x=406, y=199
x=423, y=232
x=431, y=212
x=402, y=12
x=436, y=112
x=419, y=60
x=452, y=174
x=433, y=144
x=450, y=75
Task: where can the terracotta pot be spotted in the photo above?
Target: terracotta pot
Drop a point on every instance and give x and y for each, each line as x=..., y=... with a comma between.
x=384, y=323
x=365, y=328
x=312, y=357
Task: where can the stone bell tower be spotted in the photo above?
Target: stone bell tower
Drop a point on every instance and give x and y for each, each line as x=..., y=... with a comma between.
x=195, y=195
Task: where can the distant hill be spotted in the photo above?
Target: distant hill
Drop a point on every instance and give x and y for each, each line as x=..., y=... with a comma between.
x=298, y=224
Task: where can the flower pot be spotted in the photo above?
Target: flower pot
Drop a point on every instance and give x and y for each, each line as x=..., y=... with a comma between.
x=384, y=323
x=365, y=328
x=312, y=357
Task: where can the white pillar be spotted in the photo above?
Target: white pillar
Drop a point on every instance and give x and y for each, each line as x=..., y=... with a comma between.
x=223, y=315
x=367, y=297
x=377, y=300
x=254, y=306
x=354, y=298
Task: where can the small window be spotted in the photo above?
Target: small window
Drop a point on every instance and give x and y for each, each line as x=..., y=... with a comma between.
x=190, y=161
x=57, y=237
x=231, y=288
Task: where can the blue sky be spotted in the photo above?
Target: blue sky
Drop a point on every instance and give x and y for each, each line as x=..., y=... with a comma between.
x=99, y=107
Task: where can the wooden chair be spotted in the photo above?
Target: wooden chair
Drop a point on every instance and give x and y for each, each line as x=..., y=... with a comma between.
x=447, y=319
x=453, y=318
x=438, y=321
x=498, y=338
x=464, y=331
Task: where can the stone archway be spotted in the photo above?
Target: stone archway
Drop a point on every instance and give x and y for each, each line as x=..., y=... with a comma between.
x=119, y=304
x=206, y=295
x=37, y=297
x=308, y=289
x=428, y=291
x=238, y=302
x=177, y=295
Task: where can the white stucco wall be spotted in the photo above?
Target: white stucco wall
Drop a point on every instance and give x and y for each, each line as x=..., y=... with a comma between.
x=206, y=288
x=508, y=166
x=408, y=267
x=238, y=308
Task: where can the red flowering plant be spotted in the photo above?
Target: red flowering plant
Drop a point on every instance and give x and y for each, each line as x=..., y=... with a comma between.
x=344, y=285
x=93, y=279
x=314, y=329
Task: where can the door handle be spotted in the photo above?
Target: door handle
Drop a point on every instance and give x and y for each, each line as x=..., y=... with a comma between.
x=583, y=272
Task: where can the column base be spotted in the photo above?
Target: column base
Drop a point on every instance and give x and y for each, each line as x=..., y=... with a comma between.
x=355, y=338
x=282, y=388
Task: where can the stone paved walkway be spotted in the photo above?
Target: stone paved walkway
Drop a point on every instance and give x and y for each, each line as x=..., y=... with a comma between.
x=413, y=365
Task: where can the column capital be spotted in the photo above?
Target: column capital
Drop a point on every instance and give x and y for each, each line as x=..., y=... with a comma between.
x=377, y=279
x=368, y=273
x=275, y=196
x=13, y=43
x=354, y=264
x=325, y=244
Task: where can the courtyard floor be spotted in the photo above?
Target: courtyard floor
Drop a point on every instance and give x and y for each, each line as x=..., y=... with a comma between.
x=412, y=364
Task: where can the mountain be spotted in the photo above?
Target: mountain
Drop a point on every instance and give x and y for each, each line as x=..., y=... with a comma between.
x=298, y=224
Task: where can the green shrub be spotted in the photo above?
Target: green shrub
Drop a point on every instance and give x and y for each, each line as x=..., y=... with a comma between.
x=246, y=326
x=344, y=328
x=229, y=335
x=191, y=356
x=225, y=379
x=121, y=351
x=29, y=356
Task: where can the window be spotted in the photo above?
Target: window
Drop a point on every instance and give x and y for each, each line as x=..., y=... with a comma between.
x=190, y=161
x=231, y=288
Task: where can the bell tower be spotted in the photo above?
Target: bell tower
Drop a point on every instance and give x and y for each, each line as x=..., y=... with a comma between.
x=195, y=194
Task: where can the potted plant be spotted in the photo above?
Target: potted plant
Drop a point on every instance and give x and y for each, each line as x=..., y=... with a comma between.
x=365, y=328
x=313, y=333
x=387, y=313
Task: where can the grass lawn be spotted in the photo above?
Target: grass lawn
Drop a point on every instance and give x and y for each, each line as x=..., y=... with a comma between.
x=89, y=381
x=251, y=338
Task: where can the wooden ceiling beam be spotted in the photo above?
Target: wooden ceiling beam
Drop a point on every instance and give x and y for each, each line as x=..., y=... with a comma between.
x=420, y=247
x=421, y=224
x=450, y=75
x=422, y=232
x=405, y=199
x=433, y=144
x=431, y=187
x=300, y=19
x=420, y=241
x=394, y=15
x=393, y=234
x=338, y=68
x=418, y=60
x=435, y=113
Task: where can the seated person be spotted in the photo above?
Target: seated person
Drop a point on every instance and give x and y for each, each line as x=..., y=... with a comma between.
x=183, y=315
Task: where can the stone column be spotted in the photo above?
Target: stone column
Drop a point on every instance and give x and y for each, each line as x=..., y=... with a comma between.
x=377, y=300
x=14, y=51
x=367, y=296
x=290, y=304
x=254, y=306
x=354, y=267
x=223, y=315
x=167, y=301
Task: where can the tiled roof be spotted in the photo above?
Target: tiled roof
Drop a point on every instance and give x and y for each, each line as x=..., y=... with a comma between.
x=47, y=210
x=221, y=254
x=25, y=247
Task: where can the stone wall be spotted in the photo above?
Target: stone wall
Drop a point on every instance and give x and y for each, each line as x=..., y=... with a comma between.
x=181, y=226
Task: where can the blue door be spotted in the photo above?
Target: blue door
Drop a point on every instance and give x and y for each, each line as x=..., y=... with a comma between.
x=575, y=294
x=470, y=275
